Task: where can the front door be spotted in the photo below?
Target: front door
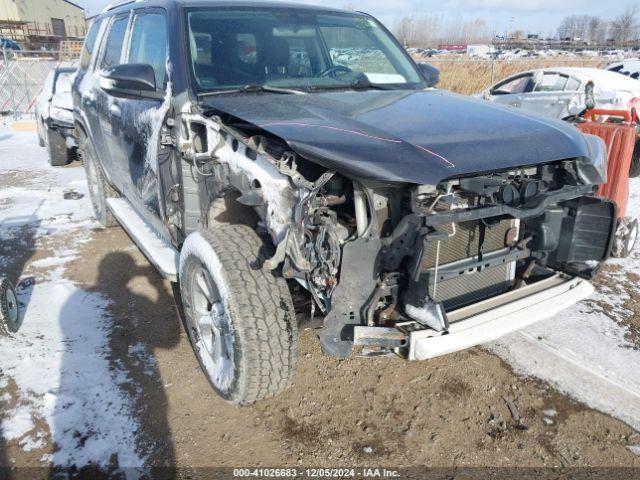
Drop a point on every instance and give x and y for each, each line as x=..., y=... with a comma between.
x=131, y=125
x=136, y=122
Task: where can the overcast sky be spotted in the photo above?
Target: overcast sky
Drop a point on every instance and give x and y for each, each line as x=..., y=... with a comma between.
x=536, y=16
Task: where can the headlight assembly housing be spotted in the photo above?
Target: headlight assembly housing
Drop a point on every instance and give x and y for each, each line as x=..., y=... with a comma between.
x=593, y=170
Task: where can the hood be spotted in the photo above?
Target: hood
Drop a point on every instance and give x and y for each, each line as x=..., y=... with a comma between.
x=420, y=137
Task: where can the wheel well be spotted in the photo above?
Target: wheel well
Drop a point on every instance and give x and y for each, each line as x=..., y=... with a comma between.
x=227, y=209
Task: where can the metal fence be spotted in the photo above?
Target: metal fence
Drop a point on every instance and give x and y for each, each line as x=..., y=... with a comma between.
x=22, y=75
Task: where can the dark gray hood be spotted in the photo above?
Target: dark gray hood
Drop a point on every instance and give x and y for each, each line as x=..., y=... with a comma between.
x=418, y=137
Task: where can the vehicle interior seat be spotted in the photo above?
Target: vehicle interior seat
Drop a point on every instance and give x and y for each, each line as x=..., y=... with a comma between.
x=277, y=58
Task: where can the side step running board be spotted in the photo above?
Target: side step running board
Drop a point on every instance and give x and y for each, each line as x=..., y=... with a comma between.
x=157, y=250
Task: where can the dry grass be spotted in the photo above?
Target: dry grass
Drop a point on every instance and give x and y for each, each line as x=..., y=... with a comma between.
x=469, y=76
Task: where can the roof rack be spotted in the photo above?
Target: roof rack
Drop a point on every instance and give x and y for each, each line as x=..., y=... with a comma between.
x=113, y=5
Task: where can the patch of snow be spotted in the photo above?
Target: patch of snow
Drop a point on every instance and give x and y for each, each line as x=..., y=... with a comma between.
x=60, y=360
x=635, y=449
x=138, y=352
x=17, y=423
x=583, y=351
x=70, y=382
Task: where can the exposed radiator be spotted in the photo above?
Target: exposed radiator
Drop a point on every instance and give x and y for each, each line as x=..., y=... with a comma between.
x=457, y=253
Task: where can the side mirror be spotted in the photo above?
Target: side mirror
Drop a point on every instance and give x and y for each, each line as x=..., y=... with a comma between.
x=135, y=79
x=430, y=73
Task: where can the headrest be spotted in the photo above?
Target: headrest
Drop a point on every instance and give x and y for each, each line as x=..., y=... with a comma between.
x=277, y=53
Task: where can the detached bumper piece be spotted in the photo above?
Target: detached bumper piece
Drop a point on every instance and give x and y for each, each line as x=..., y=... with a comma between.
x=488, y=320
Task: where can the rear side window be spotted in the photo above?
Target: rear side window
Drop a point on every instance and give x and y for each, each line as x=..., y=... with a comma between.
x=551, y=82
x=573, y=84
x=89, y=44
x=149, y=43
x=115, y=41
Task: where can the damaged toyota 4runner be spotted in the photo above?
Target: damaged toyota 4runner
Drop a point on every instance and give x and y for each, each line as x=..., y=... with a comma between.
x=253, y=149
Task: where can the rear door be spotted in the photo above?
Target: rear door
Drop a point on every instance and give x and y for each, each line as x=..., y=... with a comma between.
x=548, y=97
x=85, y=88
x=136, y=122
x=112, y=54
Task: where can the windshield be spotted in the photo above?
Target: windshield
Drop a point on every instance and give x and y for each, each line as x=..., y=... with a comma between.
x=290, y=48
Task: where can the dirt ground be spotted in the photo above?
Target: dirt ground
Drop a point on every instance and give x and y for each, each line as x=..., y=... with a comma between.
x=451, y=411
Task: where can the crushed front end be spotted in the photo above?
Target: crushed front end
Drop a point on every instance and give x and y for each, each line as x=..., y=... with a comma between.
x=426, y=270
x=394, y=267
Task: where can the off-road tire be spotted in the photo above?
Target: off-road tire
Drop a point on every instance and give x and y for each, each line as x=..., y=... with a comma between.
x=258, y=306
x=9, y=313
x=57, y=149
x=634, y=169
x=99, y=188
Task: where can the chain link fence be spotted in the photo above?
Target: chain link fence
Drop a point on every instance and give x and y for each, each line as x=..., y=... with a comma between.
x=22, y=75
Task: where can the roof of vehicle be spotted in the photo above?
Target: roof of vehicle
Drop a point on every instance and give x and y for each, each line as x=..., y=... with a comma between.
x=630, y=66
x=222, y=3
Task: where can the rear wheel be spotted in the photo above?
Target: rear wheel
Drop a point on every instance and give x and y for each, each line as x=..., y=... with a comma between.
x=99, y=188
x=57, y=148
x=9, y=314
x=239, y=317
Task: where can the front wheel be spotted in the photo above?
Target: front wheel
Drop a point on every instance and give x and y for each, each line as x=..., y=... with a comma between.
x=239, y=316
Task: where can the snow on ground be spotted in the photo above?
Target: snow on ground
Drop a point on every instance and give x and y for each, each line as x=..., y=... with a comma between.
x=584, y=351
x=55, y=373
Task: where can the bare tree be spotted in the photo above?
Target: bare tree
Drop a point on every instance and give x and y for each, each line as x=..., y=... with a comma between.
x=595, y=29
x=625, y=26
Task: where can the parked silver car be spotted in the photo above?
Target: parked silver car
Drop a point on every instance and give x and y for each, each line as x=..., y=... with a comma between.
x=564, y=92
x=54, y=115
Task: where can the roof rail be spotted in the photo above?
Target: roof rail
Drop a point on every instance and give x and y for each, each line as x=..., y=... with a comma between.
x=113, y=5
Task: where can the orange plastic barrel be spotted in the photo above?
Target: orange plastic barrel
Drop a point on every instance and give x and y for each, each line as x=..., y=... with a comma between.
x=620, y=140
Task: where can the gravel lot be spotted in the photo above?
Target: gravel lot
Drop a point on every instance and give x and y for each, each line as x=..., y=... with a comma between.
x=102, y=373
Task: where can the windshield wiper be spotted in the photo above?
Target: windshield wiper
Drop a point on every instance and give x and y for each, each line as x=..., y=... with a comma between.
x=253, y=88
x=365, y=84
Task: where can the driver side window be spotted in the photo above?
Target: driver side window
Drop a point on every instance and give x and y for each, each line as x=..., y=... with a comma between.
x=149, y=43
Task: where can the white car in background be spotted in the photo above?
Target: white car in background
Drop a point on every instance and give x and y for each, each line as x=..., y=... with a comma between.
x=54, y=115
x=564, y=92
x=629, y=67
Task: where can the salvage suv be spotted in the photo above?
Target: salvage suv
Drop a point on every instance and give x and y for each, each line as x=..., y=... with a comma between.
x=250, y=149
